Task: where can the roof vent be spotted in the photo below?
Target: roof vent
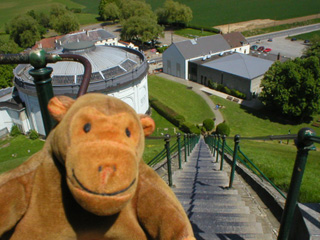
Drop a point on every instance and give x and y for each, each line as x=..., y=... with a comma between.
x=193, y=41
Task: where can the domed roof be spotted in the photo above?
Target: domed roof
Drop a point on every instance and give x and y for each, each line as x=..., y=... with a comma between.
x=101, y=58
x=107, y=62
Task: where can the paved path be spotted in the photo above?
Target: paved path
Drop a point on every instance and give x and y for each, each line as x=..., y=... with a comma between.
x=215, y=211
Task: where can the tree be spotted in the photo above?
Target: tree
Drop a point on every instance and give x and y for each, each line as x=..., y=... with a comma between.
x=141, y=28
x=292, y=88
x=6, y=70
x=136, y=8
x=24, y=31
x=62, y=20
x=174, y=13
x=110, y=12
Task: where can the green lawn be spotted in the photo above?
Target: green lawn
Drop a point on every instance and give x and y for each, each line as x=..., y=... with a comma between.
x=308, y=36
x=216, y=12
x=14, y=151
x=275, y=159
x=184, y=101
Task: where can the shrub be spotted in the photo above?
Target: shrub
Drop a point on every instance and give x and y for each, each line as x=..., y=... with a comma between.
x=208, y=124
x=223, y=129
x=33, y=135
x=212, y=85
x=15, y=131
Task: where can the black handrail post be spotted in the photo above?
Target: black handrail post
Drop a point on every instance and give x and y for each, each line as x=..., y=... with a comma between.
x=214, y=144
x=235, y=151
x=217, y=159
x=188, y=139
x=43, y=82
x=222, y=151
x=185, y=148
x=167, y=145
x=304, y=145
x=179, y=149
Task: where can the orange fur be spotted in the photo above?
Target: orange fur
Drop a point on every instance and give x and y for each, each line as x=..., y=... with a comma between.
x=89, y=182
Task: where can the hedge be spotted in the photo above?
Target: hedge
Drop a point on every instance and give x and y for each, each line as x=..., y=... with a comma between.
x=168, y=113
x=173, y=117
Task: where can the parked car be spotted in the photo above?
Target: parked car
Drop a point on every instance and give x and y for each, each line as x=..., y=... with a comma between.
x=254, y=47
x=270, y=40
x=267, y=50
x=293, y=39
x=261, y=48
x=306, y=41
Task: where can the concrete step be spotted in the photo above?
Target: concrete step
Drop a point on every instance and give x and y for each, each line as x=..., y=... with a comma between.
x=220, y=217
x=225, y=202
x=215, y=209
x=232, y=236
x=235, y=228
x=208, y=196
x=204, y=189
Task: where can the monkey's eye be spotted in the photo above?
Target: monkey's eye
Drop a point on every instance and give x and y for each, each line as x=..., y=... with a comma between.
x=87, y=127
x=128, y=133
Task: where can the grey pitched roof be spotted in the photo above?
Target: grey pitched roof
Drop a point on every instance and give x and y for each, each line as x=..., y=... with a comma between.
x=241, y=65
x=202, y=46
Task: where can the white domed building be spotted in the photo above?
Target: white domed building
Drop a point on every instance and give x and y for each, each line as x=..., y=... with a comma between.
x=117, y=71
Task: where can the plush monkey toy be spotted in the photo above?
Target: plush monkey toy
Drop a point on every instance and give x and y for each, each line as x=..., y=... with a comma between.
x=89, y=181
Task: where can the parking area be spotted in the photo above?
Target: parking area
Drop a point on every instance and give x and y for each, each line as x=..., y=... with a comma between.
x=286, y=47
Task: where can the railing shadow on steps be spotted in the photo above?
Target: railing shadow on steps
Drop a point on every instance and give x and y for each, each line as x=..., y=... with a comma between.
x=177, y=148
x=304, y=141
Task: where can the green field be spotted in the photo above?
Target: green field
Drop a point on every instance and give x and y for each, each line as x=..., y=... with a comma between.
x=12, y=8
x=216, y=12
x=205, y=13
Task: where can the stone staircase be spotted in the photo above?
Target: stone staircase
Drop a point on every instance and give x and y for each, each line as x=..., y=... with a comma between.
x=215, y=211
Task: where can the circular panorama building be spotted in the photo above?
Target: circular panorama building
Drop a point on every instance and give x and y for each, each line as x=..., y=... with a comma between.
x=117, y=71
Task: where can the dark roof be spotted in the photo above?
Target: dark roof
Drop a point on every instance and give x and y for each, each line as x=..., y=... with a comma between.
x=202, y=46
x=241, y=65
x=235, y=39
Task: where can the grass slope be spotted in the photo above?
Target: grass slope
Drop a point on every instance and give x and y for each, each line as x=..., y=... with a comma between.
x=274, y=159
x=216, y=12
x=184, y=101
x=14, y=151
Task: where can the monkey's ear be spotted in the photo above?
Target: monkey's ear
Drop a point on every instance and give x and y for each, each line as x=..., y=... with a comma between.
x=58, y=106
x=148, y=124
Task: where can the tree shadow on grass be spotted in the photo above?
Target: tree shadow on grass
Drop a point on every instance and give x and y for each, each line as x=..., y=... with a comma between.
x=272, y=115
